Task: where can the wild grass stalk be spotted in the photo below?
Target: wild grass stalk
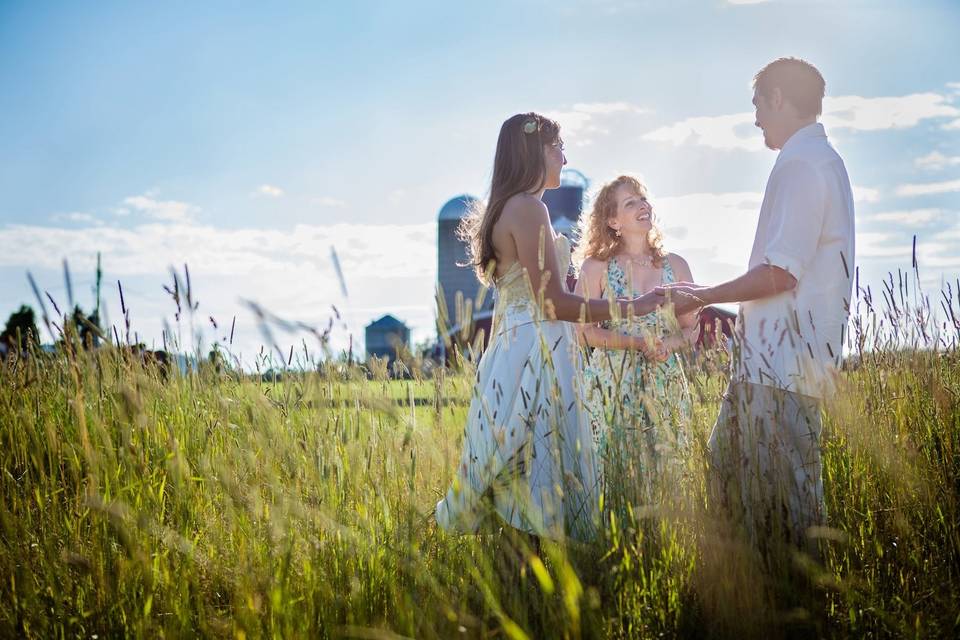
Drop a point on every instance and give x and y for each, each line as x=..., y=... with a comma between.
x=139, y=502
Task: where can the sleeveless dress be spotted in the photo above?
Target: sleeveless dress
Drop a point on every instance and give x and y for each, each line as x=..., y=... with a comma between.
x=528, y=451
x=639, y=409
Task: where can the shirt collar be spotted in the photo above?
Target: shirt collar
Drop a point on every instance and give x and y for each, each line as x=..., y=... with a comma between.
x=814, y=130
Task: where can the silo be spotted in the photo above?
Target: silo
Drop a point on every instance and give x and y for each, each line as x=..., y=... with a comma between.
x=451, y=252
x=566, y=202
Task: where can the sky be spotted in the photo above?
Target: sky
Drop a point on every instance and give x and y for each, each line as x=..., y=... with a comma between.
x=247, y=140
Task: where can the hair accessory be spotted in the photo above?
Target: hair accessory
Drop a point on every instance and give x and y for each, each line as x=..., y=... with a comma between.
x=531, y=126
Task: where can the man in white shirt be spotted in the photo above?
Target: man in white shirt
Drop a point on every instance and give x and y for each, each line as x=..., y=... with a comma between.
x=795, y=299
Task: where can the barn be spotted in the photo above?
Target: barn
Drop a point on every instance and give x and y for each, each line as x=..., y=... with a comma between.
x=385, y=336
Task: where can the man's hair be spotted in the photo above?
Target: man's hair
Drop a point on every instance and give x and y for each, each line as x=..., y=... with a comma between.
x=799, y=82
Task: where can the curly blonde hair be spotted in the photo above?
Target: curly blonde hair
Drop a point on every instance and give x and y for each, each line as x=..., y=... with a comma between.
x=595, y=238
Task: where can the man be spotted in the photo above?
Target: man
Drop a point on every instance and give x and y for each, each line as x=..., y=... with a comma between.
x=795, y=300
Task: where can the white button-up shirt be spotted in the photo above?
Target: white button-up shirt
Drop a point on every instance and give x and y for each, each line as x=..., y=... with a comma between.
x=794, y=340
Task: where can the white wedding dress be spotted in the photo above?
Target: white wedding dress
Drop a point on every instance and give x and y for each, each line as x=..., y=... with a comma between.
x=528, y=450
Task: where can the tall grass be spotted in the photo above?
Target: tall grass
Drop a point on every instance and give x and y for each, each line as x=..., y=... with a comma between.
x=209, y=504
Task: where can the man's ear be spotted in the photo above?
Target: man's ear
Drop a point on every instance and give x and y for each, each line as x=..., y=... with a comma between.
x=776, y=99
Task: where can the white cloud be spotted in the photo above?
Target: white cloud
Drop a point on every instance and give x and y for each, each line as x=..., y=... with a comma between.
x=951, y=233
x=584, y=120
x=952, y=126
x=166, y=210
x=929, y=188
x=386, y=267
x=76, y=216
x=936, y=160
x=713, y=231
x=269, y=191
x=615, y=7
x=888, y=245
x=897, y=112
x=865, y=194
x=607, y=107
x=364, y=250
x=736, y=131
x=936, y=254
x=327, y=201
x=908, y=218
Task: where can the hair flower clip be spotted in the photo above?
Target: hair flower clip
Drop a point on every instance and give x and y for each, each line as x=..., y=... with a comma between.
x=531, y=126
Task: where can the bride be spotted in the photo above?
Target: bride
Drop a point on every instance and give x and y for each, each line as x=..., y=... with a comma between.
x=528, y=453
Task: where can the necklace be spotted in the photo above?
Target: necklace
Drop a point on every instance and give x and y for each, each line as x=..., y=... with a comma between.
x=640, y=261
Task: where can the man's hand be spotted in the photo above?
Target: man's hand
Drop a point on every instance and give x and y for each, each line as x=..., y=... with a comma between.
x=647, y=303
x=686, y=296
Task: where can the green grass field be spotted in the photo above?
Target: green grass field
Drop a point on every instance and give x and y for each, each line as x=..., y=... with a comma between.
x=204, y=505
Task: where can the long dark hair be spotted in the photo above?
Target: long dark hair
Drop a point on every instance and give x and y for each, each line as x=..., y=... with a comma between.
x=518, y=167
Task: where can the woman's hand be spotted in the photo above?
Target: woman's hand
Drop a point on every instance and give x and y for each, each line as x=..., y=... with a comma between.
x=654, y=350
x=647, y=303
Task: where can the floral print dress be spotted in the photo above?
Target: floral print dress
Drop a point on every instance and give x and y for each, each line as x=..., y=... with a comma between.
x=639, y=409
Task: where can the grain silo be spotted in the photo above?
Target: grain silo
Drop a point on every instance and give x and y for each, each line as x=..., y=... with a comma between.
x=452, y=252
x=565, y=204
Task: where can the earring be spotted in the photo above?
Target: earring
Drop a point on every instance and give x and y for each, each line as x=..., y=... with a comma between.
x=617, y=232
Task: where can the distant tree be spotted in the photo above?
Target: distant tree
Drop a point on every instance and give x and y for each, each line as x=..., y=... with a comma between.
x=218, y=361
x=88, y=327
x=21, y=330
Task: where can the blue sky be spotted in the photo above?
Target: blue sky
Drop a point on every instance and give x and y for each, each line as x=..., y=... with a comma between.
x=246, y=141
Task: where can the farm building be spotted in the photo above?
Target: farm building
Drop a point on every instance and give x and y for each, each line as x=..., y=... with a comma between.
x=565, y=205
x=384, y=336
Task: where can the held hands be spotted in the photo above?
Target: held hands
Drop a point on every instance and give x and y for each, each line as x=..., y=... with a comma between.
x=686, y=296
x=647, y=303
x=655, y=350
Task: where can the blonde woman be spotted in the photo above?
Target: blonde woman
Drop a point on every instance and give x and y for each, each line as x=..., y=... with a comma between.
x=636, y=391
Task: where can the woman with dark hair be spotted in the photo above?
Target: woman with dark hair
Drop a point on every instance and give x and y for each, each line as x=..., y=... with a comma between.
x=528, y=456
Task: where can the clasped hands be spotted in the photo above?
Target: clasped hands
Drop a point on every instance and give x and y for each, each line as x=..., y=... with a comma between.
x=685, y=296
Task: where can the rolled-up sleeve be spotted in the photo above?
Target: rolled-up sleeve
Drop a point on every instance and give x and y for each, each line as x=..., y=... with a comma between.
x=796, y=218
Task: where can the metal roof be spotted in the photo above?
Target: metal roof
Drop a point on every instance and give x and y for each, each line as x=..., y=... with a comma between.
x=455, y=208
x=386, y=321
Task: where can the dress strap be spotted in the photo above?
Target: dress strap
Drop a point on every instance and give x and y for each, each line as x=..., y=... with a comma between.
x=666, y=275
x=616, y=278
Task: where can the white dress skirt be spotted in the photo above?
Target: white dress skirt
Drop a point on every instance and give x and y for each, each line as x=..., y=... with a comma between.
x=528, y=451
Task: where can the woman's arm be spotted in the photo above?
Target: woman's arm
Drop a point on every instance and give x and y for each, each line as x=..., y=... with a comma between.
x=590, y=285
x=689, y=322
x=528, y=222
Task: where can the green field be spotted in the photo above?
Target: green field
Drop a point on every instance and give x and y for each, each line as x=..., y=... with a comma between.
x=208, y=505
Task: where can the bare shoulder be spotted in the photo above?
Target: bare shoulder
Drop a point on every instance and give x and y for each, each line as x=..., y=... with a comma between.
x=680, y=267
x=592, y=267
x=523, y=216
x=525, y=208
